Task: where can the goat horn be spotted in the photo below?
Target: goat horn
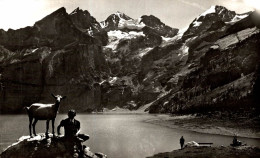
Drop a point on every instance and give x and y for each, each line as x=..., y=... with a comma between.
x=53, y=95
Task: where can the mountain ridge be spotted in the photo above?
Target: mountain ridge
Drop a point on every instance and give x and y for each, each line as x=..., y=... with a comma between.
x=130, y=62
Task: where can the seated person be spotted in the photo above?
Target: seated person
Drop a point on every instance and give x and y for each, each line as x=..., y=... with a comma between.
x=72, y=129
x=236, y=142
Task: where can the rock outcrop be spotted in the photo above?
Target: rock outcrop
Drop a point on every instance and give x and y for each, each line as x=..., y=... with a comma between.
x=40, y=147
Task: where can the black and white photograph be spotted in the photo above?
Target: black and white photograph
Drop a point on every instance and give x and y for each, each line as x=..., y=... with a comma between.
x=129, y=78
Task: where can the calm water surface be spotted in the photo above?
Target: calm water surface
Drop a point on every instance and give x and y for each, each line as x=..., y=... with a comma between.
x=118, y=136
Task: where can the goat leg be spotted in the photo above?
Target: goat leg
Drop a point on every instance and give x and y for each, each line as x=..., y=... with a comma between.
x=34, y=123
x=53, y=128
x=30, y=126
x=47, y=128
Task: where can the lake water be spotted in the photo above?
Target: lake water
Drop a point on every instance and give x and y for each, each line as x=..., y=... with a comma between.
x=118, y=136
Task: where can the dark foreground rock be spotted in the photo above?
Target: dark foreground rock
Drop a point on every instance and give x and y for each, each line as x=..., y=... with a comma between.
x=40, y=147
x=216, y=152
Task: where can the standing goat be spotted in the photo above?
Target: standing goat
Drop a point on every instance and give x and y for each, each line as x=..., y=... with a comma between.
x=39, y=111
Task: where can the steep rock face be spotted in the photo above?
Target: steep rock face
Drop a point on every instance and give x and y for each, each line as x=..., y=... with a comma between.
x=130, y=40
x=161, y=73
x=78, y=80
x=222, y=75
x=4, y=54
x=65, y=61
x=25, y=85
x=214, y=18
x=116, y=92
x=55, y=30
x=45, y=71
x=163, y=70
x=88, y=25
x=85, y=22
x=14, y=39
x=59, y=30
x=157, y=26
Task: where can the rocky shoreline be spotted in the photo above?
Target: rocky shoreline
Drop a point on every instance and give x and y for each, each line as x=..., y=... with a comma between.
x=53, y=147
x=216, y=152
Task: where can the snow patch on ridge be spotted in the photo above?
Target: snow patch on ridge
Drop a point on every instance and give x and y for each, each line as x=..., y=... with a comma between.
x=197, y=23
x=115, y=36
x=212, y=9
x=167, y=39
x=103, y=24
x=184, y=51
x=181, y=32
x=144, y=52
x=34, y=50
x=120, y=15
x=120, y=34
x=131, y=24
x=238, y=18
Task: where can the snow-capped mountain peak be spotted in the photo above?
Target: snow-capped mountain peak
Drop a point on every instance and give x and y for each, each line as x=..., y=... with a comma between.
x=120, y=21
x=213, y=18
x=215, y=13
x=212, y=9
x=121, y=15
x=111, y=23
x=118, y=15
x=219, y=11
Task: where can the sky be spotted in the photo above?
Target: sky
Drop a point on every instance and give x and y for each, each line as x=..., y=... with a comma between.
x=175, y=13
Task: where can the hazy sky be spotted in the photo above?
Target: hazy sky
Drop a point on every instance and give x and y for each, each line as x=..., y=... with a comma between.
x=175, y=13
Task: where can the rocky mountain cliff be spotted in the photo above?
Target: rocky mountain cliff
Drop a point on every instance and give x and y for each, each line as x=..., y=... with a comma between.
x=55, y=56
x=132, y=63
x=221, y=70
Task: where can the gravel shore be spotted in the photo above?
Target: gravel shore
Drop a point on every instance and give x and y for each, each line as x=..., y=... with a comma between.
x=208, y=152
x=242, y=127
